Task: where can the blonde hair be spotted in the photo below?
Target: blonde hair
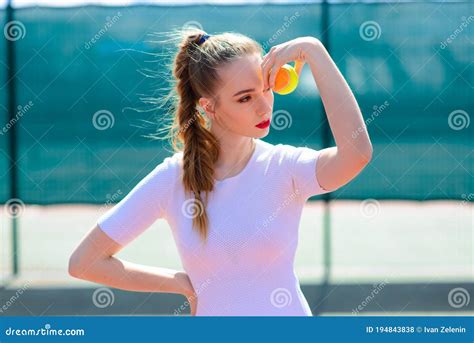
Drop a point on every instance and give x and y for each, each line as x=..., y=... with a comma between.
x=194, y=71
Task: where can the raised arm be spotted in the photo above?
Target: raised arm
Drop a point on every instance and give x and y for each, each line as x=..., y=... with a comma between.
x=338, y=165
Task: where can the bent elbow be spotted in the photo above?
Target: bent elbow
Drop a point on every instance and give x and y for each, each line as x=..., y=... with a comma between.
x=356, y=155
x=75, y=269
x=365, y=155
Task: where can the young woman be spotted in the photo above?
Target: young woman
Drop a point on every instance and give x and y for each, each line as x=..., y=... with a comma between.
x=232, y=200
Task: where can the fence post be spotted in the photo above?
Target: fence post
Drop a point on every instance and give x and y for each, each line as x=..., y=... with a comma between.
x=12, y=134
x=326, y=141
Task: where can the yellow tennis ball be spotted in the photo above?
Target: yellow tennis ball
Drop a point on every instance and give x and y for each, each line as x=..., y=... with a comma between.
x=286, y=80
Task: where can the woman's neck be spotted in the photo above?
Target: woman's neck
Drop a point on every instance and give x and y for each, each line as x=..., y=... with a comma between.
x=234, y=155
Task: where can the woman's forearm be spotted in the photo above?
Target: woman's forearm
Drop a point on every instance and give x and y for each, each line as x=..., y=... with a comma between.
x=129, y=276
x=341, y=107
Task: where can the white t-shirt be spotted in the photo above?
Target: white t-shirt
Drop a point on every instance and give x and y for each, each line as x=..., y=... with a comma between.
x=247, y=266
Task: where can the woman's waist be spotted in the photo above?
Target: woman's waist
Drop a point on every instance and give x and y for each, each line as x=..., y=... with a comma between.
x=249, y=290
x=253, y=299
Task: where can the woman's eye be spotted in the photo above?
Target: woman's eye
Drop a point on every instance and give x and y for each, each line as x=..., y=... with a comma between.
x=245, y=97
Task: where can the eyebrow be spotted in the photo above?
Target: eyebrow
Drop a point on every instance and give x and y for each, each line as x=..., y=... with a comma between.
x=244, y=91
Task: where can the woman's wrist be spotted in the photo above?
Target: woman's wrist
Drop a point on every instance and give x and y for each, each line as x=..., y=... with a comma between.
x=312, y=48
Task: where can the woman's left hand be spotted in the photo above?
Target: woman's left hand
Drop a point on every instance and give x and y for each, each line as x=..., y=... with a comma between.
x=293, y=50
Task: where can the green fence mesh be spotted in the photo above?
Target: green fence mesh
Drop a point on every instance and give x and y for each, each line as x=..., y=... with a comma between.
x=406, y=76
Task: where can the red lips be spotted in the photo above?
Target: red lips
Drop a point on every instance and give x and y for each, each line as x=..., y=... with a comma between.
x=264, y=124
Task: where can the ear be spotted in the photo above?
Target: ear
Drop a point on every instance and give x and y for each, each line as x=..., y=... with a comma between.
x=208, y=106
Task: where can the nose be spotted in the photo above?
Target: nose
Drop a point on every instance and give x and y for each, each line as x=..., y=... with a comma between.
x=264, y=106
